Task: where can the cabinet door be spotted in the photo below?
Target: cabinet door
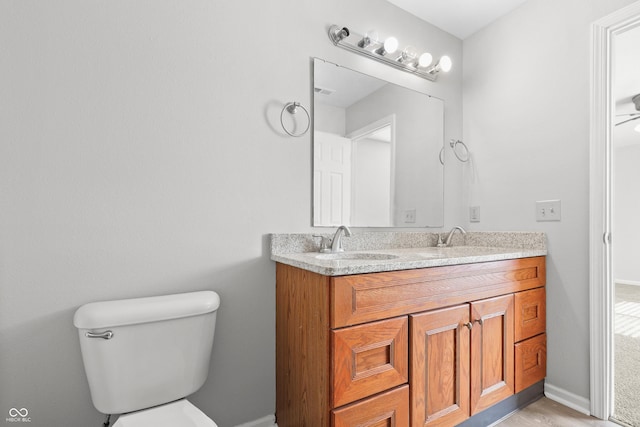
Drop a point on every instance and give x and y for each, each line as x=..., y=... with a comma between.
x=440, y=367
x=491, y=351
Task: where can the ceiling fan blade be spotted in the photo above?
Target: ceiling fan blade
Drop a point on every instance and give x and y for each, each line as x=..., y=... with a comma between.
x=628, y=120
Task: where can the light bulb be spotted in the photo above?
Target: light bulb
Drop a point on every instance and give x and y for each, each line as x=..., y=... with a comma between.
x=637, y=128
x=445, y=63
x=425, y=60
x=409, y=55
x=390, y=45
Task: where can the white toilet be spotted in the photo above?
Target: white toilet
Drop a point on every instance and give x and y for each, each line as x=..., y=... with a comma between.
x=144, y=356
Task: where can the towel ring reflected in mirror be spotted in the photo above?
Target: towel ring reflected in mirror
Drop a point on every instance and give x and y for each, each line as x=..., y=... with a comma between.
x=292, y=108
x=460, y=149
x=461, y=153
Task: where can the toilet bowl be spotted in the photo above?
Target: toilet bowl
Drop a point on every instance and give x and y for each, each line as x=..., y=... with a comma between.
x=144, y=356
x=181, y=413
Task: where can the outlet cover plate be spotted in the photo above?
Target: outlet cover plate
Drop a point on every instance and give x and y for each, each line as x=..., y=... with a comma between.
x=410, y=216
x=474, y=214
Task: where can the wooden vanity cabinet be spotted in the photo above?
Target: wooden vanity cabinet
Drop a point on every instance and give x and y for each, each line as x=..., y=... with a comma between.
x=423, y=347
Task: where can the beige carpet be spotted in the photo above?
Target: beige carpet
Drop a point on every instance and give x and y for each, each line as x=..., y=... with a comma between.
x=627, y=355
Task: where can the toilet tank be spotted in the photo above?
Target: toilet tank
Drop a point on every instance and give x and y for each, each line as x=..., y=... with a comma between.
x=148, y=351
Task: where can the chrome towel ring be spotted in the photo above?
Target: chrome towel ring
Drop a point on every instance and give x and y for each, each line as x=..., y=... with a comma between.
x=464, y=157
x=292, y=108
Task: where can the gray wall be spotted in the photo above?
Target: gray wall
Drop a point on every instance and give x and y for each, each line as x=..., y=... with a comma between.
x=141, y=154
x=526, y=117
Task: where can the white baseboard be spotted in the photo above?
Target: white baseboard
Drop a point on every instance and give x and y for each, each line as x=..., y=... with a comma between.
x=627, y=282
x=268, y=421
x=566, y=398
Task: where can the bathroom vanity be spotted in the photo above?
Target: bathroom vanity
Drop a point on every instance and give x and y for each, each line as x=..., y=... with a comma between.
x=408, y=336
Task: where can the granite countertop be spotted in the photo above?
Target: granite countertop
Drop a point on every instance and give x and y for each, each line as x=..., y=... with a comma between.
x=379, y=252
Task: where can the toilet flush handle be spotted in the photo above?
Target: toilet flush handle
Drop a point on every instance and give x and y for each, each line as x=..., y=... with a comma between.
x=107, y=335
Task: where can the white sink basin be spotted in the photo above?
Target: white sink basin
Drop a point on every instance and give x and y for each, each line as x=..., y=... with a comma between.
x=432, y=253
x=356, y=256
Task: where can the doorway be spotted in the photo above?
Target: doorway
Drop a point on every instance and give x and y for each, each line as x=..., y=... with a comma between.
x=625, y=227
x=603, y=208
x=373, y=173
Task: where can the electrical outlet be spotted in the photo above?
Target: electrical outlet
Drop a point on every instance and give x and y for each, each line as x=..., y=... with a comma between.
x=410, y=216
x=474, y=214
x=548, y=210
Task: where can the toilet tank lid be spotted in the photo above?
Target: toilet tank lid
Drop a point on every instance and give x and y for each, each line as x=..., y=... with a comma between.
x=106, y=314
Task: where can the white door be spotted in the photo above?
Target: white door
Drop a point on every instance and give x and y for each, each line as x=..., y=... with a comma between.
x=332, y=179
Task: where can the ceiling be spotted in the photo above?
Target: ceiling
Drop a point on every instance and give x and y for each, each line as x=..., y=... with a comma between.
x=340, y=86
x=461, y=18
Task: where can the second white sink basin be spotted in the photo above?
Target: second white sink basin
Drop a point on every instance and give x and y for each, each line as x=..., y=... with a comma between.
x=355, y=256
x=432, y=252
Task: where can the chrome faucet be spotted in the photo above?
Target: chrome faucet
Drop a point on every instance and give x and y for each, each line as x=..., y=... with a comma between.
x=447, y=240
x=336, y=243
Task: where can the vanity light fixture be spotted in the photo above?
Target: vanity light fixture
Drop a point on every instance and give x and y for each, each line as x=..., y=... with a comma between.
x=408, y=56
x=338, y=34
x=408, y=59
x=389, y=47
x=369, y=37
x=444, y=64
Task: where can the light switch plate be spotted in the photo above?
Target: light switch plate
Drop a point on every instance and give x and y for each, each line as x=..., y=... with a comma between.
x=548, y=210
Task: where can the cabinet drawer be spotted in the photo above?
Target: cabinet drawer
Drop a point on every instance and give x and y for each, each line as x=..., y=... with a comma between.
x=530, y=313
x=362, y=298
x=530, y=361
x=368, y=359
x=389, y=409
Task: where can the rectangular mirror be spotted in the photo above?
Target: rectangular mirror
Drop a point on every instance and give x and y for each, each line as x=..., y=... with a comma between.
x=377, y=150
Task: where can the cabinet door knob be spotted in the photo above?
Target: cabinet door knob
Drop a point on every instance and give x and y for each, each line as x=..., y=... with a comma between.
x=468, y=325
x=480, y=321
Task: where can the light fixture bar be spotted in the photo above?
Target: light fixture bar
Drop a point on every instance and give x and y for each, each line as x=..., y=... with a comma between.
x=376, y=50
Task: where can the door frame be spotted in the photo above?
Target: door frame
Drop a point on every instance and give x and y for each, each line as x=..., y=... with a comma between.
x=601, y=289
x=362, y=132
